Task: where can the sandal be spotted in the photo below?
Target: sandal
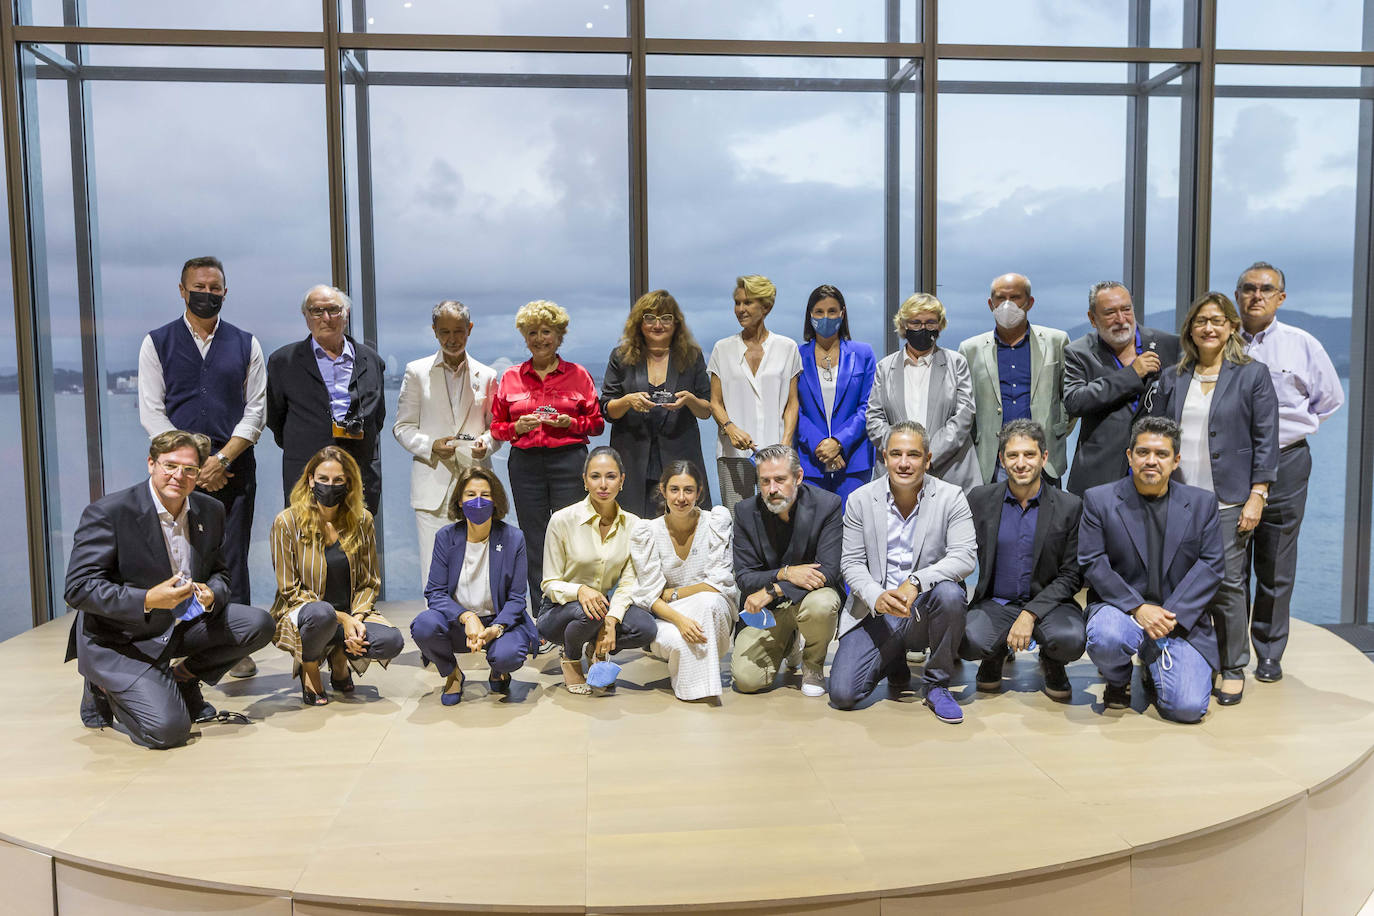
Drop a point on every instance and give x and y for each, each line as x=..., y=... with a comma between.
x=345, y=686
x=582, y=689
x=453, y=692
x=310, y=697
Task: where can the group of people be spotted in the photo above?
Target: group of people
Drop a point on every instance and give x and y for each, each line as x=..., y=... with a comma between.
x=856, y=497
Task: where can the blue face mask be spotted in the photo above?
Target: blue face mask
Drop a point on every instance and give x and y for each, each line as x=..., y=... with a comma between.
x=827, y=327
x=478, y=509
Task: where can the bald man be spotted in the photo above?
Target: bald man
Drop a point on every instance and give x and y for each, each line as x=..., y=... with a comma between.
x=1018, y=374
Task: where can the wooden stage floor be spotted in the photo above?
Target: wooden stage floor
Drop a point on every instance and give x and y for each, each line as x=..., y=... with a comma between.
x=548, y=802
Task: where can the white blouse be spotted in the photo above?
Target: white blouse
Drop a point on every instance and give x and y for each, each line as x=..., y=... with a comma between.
x=1194, y=459
x=710, y=560
x=754, y=401
x=473, y=591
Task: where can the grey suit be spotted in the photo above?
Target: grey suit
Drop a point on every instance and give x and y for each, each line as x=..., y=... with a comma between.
x=118, y=553
x=1047, y=402
x=948, y=420
x=945, y=549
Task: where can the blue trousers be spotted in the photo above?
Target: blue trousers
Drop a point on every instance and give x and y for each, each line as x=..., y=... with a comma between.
x=569, y=626
x=1183, y=678
x=441, y=638
x=876, y=648
x=841, y=484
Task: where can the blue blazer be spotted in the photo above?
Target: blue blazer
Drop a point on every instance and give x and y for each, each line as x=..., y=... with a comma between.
x=853, y=382
x=1113, y=551
x=1242, y=425
x=509, y=581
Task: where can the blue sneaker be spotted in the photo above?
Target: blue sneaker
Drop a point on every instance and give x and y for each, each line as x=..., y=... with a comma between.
x=942, y=703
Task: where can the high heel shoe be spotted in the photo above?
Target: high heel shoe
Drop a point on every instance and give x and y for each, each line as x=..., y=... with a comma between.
x=572, y=666
x=453, y=688
x=346, y=685
x=499, y=683
x=310, y=697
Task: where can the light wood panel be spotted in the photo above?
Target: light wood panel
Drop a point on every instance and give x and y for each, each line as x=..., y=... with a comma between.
x=26, y=877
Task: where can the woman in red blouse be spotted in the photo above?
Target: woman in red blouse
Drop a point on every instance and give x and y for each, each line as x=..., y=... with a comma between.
x=546, y=408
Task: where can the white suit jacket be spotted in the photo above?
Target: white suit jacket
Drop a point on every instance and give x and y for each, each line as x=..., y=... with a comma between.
x=423, y=415
x=946, y=545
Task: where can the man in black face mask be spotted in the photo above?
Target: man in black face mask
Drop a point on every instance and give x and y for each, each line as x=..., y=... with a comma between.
x=201, y=374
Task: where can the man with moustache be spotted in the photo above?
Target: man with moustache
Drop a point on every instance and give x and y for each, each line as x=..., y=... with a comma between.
x=1109, y=376
x=1028, y=570
x=787, y=542
x=1152, y=556
x=908, y=544
x=443, y=418
x=1018, y=374
x=204, y=375
x=1309, y=392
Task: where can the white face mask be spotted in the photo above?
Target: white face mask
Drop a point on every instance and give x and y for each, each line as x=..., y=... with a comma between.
x=1008, y=315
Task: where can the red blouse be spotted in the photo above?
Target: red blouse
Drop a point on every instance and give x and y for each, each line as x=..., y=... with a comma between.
x=568, y=389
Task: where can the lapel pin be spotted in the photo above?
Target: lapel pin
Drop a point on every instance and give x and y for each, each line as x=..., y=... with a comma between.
x=498, y=548
x=200, y=527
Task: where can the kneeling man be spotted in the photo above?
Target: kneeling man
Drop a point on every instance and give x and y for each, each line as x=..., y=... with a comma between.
x=148, y=581
x=908, y=543
x=1152, y=556
x=787, y=558
x=1028, y=569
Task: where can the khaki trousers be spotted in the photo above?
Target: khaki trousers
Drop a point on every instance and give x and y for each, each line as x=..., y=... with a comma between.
x=759, y=653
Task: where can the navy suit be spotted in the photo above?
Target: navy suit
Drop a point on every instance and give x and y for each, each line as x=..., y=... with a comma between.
x=118, y=554
x=1112, y=548
x=436, y=629
x=853, y=383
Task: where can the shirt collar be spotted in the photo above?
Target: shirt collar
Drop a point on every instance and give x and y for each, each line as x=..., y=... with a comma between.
x=892, y=500
x=1023, y=342
x=347, y=352
x=1033, y=501
x=208, y=337
x=162, y=511
x=462, y=367
x=1262, y=333
x=527, y=368
x=590, y=515
x=918, y=361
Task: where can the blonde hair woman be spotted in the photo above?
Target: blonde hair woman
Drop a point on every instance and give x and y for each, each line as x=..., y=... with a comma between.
x=324, y=551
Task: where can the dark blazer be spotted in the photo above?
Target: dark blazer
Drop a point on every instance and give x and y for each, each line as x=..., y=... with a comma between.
x=1113, y=551
x=853, y=383
x=118, y=553
x=1242, y=425
x=1055, y=574
x=299, y=417
x=817, y=537
x=506, y=567
x=1102, y=394
x=676, y=431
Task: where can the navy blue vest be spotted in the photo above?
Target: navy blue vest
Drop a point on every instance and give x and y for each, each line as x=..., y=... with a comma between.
x=204, y=395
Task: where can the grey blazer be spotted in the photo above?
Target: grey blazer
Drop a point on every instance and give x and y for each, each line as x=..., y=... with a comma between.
x=948, y=420
x=1047, y=396
x=946, y=548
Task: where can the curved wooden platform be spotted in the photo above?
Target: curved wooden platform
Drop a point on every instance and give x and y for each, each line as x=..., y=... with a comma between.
x=639, y=803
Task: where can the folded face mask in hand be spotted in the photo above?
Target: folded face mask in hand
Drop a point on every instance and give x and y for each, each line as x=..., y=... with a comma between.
x=602, y=674
x=763, y=620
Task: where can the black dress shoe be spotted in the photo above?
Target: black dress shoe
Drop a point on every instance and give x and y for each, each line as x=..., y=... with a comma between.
x=1114, y=697
x=95, y=707
x=199, y=710
x=989, y=676
x=1268, y=670
x=1228, y=699
x=899, y=677
x=1057, y=684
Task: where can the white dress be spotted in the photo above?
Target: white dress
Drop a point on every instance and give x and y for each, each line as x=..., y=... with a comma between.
x=693, y=667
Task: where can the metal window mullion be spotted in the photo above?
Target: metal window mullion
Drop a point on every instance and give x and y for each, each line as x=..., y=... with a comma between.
x=1137, y=159
x=892, y=168
x=637, y=108
x=927, y=124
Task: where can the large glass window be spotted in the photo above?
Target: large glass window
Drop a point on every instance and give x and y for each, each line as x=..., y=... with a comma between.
x=1105, y=23
x=177, y=14
x=16, y=614
x=583, y=18
x=1284, y=192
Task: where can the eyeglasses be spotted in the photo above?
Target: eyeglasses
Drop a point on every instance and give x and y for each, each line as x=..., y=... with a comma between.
x=666, y=321
x=923, y=325
x=1264, y=292
x=329, y=311
x=189, y=471
x=1216, y=321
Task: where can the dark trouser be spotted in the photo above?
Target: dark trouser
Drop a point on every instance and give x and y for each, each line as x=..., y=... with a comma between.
x=876, y=648
x=440, y=638
x=151, y=708
x=1228, y=607
x=570, y=627
x=1059, y=631
x=1274, y=552
x=542, y=481
x=237, y=495
x=842, y=484
x=321, y=631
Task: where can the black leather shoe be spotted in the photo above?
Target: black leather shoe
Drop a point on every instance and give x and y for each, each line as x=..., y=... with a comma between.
x=989, y=676
x=95, y=707
x=199, y=710
x=1057, y=685
x=1268, y=670
x=1114, y=697
x=1228, y=699
x=899, y=677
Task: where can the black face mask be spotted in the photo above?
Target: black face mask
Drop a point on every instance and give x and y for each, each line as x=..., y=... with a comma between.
x=921, y=339
x=329, y=494
x=203, y=304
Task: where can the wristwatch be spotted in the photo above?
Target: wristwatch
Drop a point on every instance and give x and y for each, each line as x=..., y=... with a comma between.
x=672, y=597
x=500, y=629
x=914, y=581
x=224, y=461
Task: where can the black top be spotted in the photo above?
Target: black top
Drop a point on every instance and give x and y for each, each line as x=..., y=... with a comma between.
x=338, y=587
x=779, y=532
x=1156, y=511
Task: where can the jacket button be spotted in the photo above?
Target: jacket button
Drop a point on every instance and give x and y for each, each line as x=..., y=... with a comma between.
x=1213, y=434
x=1216, y=455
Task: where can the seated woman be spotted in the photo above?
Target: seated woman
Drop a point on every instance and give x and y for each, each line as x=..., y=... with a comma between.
x=324, y=551
x=476, y=589
x=588, y=577
x=683, y=574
